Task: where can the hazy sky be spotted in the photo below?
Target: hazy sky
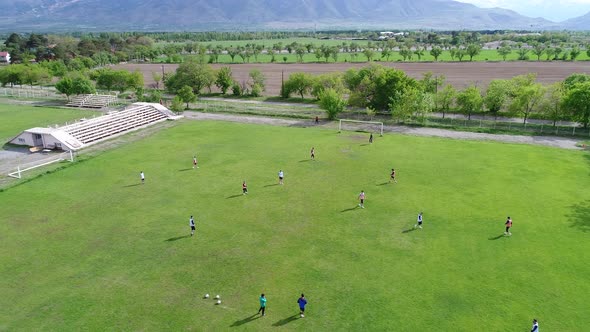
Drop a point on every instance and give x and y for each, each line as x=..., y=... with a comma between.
x=554, y=10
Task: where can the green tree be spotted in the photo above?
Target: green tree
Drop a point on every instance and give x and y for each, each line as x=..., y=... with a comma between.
x=232, y=52
x=334, y=51
x=436, y=52
x=119, y=80
x=558, y=50
x=574, y=79
x=300, y=51
x=34, y=74
x=192, y=73
x=453, y=53
x=406, y=53
x=56, y=68
x=369, y=54
x=539, y=50
x=575, y=53
x=469, y=101
x=472, y=50
x=445, y=99
x=326, y=81
x=177, y=104
x=332, y=102
x=504, y=51
x=12, y=75
x=386, y=53
x=298, y=82
x=552, y=102
x=550, y=53
x=75, y=84
x=375, y=85
x=407, y=103
x=460, y=54
x=419, y=53
x=318, y=54
x=526, y=94
x=187, y=95
x=326, y=52
x=236, y=89
x=157, y=77
x=497, y=95
x=522, y=53
x=370, y=113
x=577, y=102
x=257, y=84
x=430, y=84
x=224, y=79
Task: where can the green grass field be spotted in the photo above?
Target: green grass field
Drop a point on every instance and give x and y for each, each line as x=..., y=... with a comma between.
x=16, y=118
x=89, y=248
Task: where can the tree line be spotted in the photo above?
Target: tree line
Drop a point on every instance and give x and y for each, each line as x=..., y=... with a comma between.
x=107, y=48
x=379, y=88
x=385, y=89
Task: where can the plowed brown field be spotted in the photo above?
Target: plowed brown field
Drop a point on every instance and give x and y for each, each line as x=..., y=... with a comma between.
x=459, y=74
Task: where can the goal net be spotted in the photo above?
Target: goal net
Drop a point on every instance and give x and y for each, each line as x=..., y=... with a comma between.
x=356, y=125
x=67, y=155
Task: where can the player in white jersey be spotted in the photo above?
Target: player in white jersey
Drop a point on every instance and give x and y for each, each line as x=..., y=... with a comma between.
x=419, y=221
x=281, y=176
x=191, y=223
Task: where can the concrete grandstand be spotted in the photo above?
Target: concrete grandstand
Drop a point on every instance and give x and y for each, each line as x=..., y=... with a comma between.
x=86, y=132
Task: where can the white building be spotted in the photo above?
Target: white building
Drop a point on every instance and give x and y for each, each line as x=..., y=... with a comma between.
x=5, y=57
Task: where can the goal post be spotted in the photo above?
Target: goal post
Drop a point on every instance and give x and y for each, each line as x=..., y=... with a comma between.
x=359, y=122
x=67, y=155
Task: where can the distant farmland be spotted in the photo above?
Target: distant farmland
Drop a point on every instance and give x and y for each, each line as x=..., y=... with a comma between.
x=459, y=74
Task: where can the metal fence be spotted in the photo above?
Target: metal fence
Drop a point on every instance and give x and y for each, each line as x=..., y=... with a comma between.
x=30, y=92
x=534, y=129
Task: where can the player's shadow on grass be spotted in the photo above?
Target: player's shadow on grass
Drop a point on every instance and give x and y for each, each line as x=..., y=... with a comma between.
x=580, y=216
x=271, y=185
x=350, y=209
x=172, y=239
x=285, y=321
x=496, y=237
x=245, y=320
x=184, y=170
x=409, y=230
x=304, y=160
x=132, y=185
x=365, y=144
x=234, y=196
x=383, y=184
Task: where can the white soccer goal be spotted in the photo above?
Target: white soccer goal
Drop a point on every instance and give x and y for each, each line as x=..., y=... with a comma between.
x=68, y=155
x=364, y=125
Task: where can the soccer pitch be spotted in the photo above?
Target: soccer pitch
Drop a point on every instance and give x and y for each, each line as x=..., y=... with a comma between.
x=89, y=247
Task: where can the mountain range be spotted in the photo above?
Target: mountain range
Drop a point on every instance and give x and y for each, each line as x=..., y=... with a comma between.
x=199, y=15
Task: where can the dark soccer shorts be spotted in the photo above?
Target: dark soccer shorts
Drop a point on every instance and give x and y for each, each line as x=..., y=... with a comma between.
x=193, y=228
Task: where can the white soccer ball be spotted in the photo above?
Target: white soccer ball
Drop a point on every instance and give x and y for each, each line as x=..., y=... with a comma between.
x=217, y=296
x=218, y=301
x=206, y=296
